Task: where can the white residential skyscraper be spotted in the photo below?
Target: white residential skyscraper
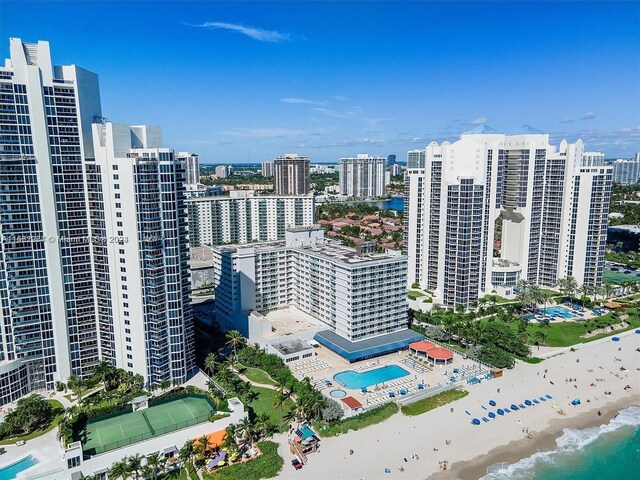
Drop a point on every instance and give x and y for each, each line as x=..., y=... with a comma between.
x=363, y=176
x=626, y=172
x=146, y=248
x=54, y=261
x=191, y=167
x=554, y=214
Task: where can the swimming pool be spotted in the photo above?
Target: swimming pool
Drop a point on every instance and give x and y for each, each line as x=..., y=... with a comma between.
x=357, y=380
x=563, y=312
x=338, y=393
x=11, y=471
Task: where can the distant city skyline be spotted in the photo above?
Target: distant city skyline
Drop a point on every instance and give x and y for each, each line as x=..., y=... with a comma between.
x=331, y=80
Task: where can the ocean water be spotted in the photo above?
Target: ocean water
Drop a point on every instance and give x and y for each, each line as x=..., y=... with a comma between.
x=610, y=451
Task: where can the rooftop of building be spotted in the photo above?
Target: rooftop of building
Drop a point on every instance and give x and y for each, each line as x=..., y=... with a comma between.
x=200, y=257
x=289, y=321
x=242, y=194
x=290, y=346
x=332, y=250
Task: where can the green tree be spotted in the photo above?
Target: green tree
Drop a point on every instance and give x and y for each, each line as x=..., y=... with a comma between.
x=155, y=464
x=119, y=470
x=134, y=464
x=235, y=340
x=211, y=363
x=186, y=452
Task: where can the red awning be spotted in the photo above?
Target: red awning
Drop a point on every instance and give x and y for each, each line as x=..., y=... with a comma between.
x=351, y=402
x=422, y=346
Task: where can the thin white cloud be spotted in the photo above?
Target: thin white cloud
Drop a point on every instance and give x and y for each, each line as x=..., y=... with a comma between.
x=566, y=120
x=478, y=121
x=251, y=32
x=269, y=132
x=589, y=116
x=335, y=113
x=304, y=101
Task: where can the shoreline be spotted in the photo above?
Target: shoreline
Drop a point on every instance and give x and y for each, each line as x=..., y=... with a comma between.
x=543, y=441
x=408, y=447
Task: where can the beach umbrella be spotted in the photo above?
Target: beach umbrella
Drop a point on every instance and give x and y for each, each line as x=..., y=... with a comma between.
x=492, y=415
x=638, y=331
x=575, y=401
x=475, y=421
x=514, y=406
x=527, y=402
x=500, y=411
x=492, y=403
x=616, y=339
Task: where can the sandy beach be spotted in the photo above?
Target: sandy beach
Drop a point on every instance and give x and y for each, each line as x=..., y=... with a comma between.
x=427, y=441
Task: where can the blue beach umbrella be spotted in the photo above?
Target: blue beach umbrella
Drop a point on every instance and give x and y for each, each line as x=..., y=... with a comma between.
x=527, y=402
x=492, y=415
x=616, y=339
x=475, y=421
x=500, y=411
x=514, y=406
x=492, y=403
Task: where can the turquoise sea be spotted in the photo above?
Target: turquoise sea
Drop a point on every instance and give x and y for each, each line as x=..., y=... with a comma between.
x=610, y=451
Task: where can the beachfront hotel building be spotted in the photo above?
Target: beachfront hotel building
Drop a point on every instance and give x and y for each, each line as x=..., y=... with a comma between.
x=363, y=176
x=292, y=175
x=356, y=298
x=52, y=205
x=552, y=208
x=244, y=217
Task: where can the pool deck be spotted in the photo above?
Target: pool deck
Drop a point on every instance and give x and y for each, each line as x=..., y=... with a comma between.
x=329, y=363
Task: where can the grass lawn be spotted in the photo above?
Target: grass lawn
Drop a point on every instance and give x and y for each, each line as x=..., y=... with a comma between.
x=257, y=375
x=267, y=465
x=370, y=417
x=566, y=334
x=413, y=294
x=265, y=404
x=550, y=293
x=426, y=404
x=58, y=412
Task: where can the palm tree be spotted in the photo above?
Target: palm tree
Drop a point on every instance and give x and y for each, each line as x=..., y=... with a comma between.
x=289, y=416
x=251, y=396
x=230, y=437
x=246, y=429
x=211, y=363
x=541, y=336
x=203, y=444
x=119, y=470
x=568, y=285
x=134, y=463
x=235, y=340
x=186, y=452
x=608, y=289
x=155, y=463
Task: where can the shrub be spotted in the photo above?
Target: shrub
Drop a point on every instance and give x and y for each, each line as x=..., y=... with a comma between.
x=332, y=411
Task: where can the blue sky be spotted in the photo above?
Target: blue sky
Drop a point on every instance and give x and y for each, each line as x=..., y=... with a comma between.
x=238, y=82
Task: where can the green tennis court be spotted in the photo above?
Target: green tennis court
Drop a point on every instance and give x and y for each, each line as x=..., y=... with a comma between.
x=113, y=432
x=609, y=276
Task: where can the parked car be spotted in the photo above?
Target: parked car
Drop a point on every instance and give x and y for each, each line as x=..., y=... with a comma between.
x=296, y=464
